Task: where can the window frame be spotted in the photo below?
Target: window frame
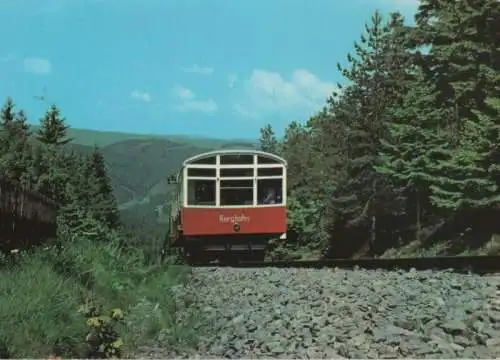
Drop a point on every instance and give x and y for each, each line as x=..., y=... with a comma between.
x=186, y=187
x=218, y=166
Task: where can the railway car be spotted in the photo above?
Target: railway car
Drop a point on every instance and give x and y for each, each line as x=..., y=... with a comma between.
x=228, y=205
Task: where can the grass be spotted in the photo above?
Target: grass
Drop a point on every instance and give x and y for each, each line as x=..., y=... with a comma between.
x=38, y=311
x=42, y=292
x=122, y=281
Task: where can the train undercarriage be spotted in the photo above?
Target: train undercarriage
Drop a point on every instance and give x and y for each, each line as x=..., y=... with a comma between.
x=222, y=249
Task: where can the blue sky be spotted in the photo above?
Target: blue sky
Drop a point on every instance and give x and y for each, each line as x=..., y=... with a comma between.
x=219, y=68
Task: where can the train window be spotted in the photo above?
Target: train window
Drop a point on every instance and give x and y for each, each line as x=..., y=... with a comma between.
x=276, y=171
x=236, y=192
x=236, y=159
x=269, y=191
x=266, y=160
x=201, y=192
x=201, y=172
x=210, y=160
x=236, y=172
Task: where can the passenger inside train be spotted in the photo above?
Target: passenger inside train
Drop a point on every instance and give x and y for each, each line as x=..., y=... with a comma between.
x=235, y=192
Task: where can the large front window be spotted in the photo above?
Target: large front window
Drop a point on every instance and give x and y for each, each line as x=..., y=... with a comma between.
x=269, y=191
x=235, y=180
x=236, y=192
x=201, y=192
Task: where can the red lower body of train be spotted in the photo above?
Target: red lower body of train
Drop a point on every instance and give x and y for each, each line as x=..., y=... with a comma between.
x=214, y=232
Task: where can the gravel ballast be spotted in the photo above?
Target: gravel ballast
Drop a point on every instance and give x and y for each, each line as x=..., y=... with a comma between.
x=332, y=313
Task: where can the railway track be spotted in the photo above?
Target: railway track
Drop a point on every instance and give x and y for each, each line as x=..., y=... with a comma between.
x=472, y=264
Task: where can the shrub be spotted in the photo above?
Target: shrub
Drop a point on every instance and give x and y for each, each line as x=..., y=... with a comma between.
x=102, y=338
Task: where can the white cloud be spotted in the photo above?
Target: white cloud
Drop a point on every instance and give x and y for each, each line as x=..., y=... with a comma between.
x=267, y=91
x=195, y=69
x=242, y=110
x=37, y=65
x=140, y=95
x=184, y=93
x=188, y=101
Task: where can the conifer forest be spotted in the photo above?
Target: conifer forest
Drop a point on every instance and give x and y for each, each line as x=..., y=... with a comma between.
x=408, y=147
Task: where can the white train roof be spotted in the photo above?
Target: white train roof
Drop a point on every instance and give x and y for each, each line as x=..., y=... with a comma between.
x=208, y=154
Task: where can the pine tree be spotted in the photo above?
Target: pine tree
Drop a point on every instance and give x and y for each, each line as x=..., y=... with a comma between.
x=19, y=129
x=377, y=80
x=78, y=192
x=104, y=204
x=463, y=63
x=14, y=145
x=268, y=141
x=308, y=184
x=53, y=129
x=463, y=181
x=7, y=116
x=296, y=152
x=409, y=152
x=39, y=168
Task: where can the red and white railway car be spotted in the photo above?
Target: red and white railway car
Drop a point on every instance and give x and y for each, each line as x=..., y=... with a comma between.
x=229, y=202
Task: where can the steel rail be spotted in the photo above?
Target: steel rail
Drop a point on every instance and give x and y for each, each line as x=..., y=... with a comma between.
x=472, y=264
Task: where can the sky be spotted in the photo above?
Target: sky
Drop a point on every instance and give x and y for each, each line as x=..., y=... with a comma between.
x=216, y=68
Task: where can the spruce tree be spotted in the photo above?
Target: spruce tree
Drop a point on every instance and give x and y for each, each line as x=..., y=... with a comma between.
x=14, y=158
x=7, y=113
x=409, y=154
x=268, y=141
x=463, y=63
x=19, y=131
x=376, y=78
x=7, y=116
x=53, y=129
x=40, y=168
x=104, y=206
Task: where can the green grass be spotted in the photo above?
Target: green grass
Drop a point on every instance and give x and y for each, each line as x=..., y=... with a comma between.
x=42, y=292
x=38, y=310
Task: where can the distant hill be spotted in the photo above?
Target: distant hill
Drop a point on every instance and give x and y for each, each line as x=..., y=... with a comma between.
x=103, y=138
x=99, y=138
x=140, y=164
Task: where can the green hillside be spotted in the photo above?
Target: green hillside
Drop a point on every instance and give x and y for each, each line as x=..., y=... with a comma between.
x=100, y=138
x=139, y=164
x=103, y=138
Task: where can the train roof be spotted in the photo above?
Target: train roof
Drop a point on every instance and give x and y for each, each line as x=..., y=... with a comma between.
x=208, y=154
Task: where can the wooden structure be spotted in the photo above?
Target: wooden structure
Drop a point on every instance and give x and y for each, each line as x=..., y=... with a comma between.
x=26, y=217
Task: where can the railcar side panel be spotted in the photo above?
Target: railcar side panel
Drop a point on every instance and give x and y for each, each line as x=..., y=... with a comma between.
x=228, y=221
